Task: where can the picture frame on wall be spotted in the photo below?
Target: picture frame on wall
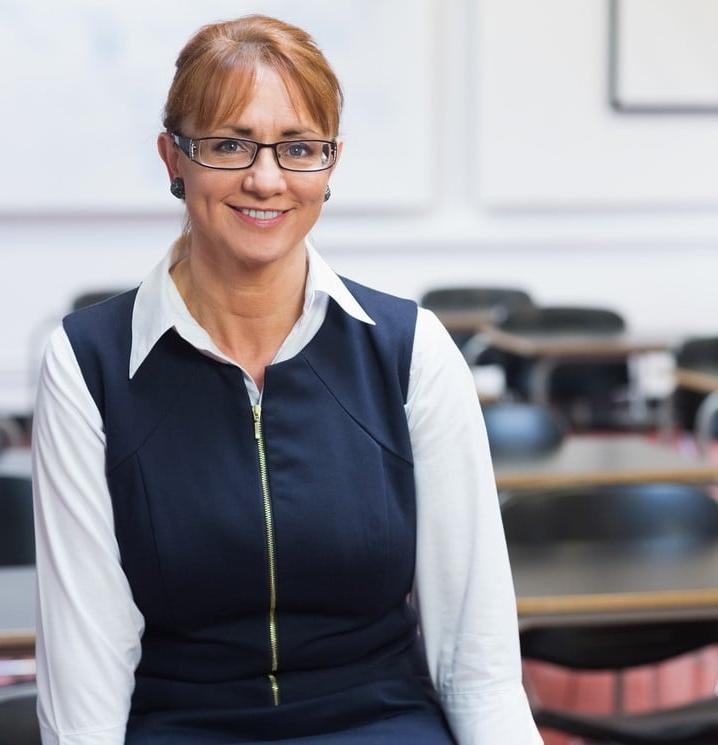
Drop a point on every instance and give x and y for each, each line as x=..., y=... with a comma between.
x=663, y=57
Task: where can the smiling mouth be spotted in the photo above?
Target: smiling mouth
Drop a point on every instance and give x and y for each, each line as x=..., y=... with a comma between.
x=259, y=214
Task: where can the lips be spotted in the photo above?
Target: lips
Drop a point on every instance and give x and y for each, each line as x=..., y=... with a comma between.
x=258, y=214
x=259, y=218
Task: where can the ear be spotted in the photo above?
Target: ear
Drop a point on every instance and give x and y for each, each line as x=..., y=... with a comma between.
x=340, y=148
x=170, y=154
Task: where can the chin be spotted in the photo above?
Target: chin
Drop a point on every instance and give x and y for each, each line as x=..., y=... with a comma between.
x=259, y=253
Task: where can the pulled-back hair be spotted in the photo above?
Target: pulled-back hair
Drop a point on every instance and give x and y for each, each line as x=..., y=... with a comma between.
x=217, y=67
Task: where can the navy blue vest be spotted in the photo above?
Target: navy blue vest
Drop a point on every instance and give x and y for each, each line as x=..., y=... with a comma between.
x=183, y=469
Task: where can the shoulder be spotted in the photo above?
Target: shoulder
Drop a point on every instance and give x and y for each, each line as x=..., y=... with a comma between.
x=101, y=339
x=101, y=316
x=59, y=363
x=436, y=360
x=101, y=330
x=380, y=303
x=433, y=343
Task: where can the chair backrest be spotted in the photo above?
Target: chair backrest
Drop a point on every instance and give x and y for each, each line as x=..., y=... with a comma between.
x=698, y=351
x=17, y=537
x=92, y=298
x=638, y=516
x=18, y=718
x=617, y=646
x=519, y=429
x=475, y=298
x=563, y=320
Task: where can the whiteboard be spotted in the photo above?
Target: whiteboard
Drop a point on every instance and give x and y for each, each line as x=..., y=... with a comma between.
x=665, y=55
x=86, y=81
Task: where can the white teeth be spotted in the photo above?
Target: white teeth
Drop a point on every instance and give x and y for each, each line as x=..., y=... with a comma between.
x=260, y=214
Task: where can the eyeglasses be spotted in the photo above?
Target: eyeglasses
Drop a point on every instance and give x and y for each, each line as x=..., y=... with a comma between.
x=232, y=154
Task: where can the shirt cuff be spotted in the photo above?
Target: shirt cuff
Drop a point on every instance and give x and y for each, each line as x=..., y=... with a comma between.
x=486, y=717
x=108, y=736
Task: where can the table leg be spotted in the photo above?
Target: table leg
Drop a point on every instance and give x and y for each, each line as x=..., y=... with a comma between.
x=707, y=412
x=666, y=419
x=637, y=404
x=540, y=380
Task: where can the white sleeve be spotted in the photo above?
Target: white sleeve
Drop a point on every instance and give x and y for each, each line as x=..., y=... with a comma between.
x=88, y=626
x=463, y=588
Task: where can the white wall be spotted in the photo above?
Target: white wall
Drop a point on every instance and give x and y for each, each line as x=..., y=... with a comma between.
x=535, y=182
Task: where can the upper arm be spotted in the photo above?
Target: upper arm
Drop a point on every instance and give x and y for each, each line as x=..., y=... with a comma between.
x=88, y=627
x=463, y=587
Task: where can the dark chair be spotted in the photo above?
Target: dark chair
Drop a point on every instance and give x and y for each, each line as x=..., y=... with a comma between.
x=18, y=718
x=632, y=516
x=697, y=353
x=497, y=300
x=17, y=537
x=589, y=393
x=520, y=429
x=86, y=299
x=653, y=519
x=476, y=298
x=563, y=319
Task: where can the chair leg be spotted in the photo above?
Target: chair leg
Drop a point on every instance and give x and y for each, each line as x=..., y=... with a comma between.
x=619, y=692
x=656, y=687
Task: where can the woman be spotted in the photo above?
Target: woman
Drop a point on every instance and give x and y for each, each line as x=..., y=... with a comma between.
x=244, y=467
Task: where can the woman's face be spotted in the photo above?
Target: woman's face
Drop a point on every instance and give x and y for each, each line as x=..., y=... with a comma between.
x=214, y=198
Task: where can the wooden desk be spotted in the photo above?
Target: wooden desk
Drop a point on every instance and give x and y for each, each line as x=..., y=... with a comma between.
x=17, y=609
x=574, y=346
x=579, y=584
x=466, y=321
x=573, y=585
x=599, y=459
x=702, y=379
x=552, y=349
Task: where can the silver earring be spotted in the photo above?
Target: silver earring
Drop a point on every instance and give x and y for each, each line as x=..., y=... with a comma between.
x=327, y=193
x=177, y=187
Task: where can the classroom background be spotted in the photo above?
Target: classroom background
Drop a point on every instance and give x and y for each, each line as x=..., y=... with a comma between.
x=564, y=149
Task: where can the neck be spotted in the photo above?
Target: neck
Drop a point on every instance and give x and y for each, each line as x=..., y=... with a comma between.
x=246, y=310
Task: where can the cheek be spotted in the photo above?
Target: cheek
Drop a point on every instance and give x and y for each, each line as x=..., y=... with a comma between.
x=211, y=186
x=314, y=193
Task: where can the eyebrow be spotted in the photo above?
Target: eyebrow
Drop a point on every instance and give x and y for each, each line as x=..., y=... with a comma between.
x=248, y=131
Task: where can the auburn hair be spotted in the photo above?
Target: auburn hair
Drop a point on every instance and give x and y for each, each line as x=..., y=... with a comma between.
x=216, y=70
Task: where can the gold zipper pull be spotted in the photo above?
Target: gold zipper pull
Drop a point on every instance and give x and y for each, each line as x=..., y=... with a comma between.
x=256, y=414
x=275, y=688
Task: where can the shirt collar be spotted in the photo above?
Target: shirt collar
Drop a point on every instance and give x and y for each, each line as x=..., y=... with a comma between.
x=159, y=306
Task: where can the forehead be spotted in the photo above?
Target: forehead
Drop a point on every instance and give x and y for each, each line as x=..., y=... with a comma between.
x=272, y=103
x=259, y=100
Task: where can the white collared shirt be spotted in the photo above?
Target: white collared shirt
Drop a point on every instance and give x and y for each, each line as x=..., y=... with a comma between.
x=88, y=626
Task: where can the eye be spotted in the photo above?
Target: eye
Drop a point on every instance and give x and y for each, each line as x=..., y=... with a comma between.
x=298, y=149
x=227, y=146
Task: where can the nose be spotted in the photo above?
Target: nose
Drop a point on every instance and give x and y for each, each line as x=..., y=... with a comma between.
x=265, y=177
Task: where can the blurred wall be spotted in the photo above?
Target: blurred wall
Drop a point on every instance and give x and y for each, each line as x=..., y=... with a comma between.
x=501, y=163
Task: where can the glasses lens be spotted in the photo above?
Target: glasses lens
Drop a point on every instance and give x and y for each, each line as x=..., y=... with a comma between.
x=222, y=152
x=305, y=155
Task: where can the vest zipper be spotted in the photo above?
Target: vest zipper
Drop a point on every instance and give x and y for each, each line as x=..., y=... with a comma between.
x=257, y=416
